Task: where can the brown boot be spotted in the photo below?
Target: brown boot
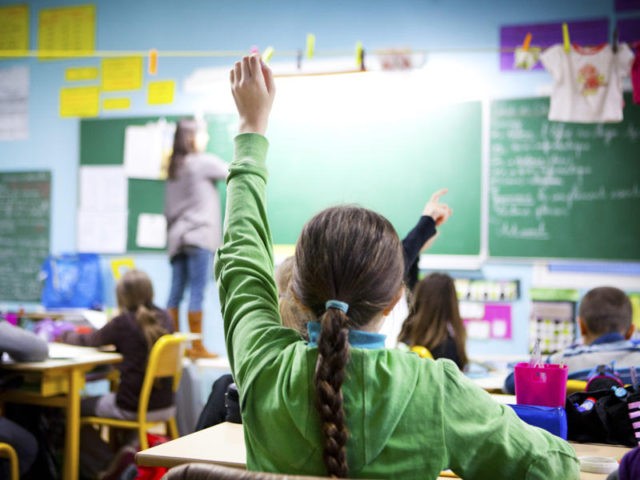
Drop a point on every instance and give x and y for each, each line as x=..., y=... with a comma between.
x=198, y=350
x=173, y=314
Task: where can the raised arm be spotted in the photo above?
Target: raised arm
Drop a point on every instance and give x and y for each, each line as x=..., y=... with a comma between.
x=244, y=263
x=422, y=236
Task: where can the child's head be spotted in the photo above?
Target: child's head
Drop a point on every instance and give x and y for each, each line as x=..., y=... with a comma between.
x=351, y=255
x=134, y=292
x=605, y=310
x=435, y=315
x=293, y=314
x=134, y=289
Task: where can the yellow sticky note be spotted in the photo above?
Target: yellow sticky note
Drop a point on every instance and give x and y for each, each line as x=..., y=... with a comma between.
x=161, y=92
x=121, y=265
x=116, y=103
x=67, y=31
x=123, y=73
x=79, y=102
x=311, y=45
x=80, y=73
x=14, y=29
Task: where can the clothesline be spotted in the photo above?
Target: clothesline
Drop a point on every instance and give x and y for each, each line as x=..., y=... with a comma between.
x=238, y=53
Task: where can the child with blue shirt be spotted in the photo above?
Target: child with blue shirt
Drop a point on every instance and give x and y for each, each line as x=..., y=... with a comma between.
x=605, y=324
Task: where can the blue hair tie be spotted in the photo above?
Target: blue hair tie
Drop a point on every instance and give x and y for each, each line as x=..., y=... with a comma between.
x=337, y=304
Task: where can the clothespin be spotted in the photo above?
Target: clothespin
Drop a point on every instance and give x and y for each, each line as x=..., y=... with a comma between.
x=614, y=40
x=527, y=42
x=565, y=38
x=153, y=61
x=267, y=54
x=299, y=59
x=360, y=56
x=311, y=45
x=254, y=49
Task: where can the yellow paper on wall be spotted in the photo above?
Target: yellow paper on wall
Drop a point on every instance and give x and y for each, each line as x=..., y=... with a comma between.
x=79, y=102
x=121, y=265
x=161, y=92
x=123, y=73
x=67, y=31
x=80, y=73
x=116, y=103
x=14, y=29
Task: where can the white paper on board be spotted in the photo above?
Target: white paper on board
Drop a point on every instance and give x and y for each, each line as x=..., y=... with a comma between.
x=14, y=103
x=102, y=232
x=147, y=148
x=152, y=231
x=103, y=188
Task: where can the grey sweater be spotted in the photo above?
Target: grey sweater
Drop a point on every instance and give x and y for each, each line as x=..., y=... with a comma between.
x=192, y=204
x=22, y=345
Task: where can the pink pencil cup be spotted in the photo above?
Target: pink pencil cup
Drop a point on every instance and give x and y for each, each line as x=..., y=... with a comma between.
x=544, y=385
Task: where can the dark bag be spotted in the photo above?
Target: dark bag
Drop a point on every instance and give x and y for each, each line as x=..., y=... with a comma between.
x=609, y=419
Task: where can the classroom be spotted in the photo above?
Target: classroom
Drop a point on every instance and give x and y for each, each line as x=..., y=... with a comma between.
x=379, y=104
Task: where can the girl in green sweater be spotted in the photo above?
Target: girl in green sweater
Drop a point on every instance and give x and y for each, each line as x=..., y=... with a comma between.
x=340, y=404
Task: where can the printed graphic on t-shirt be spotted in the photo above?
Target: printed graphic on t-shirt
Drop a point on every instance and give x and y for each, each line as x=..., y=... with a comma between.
x=590, y=79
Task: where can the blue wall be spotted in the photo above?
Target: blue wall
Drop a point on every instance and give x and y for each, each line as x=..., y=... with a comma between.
x=468, y=27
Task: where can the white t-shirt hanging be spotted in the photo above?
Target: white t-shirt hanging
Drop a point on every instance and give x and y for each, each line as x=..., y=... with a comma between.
x=587, y=82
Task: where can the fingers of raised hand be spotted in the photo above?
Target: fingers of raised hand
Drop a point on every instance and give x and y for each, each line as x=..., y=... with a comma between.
x=435, y=197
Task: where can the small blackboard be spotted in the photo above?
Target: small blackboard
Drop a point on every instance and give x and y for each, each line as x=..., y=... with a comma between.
x=25, y=203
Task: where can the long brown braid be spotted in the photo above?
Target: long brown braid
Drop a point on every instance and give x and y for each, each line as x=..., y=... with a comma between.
x=352, y=255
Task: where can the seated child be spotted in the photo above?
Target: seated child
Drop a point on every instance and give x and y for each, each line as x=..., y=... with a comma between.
x=342, y=405
x=435, y=322
x=22, y=346
x=604, y=317
x=133, y=332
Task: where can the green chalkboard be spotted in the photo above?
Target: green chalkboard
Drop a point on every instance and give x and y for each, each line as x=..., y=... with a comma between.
x=563, y=190
x=25, y=203
x=388, y=164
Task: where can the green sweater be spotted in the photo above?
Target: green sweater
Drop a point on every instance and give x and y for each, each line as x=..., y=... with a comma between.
x=407, y=417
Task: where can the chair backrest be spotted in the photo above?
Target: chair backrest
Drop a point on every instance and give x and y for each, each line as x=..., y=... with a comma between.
x=206, y=471
x=165, y=360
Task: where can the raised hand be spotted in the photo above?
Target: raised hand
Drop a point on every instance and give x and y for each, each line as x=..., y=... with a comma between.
x=440, y=212
x=253, y=90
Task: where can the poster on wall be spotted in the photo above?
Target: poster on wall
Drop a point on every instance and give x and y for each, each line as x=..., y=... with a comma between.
x=66, y=29
x=14, y=103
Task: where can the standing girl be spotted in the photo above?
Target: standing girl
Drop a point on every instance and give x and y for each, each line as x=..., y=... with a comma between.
x=341, y=404
x=435, y=322
x=192, y=210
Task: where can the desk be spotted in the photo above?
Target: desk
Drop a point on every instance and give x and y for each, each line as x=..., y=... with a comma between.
x=57, y=382
x=223, y=444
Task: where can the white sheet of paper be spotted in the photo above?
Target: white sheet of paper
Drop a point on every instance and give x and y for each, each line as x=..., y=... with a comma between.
x=102, y=232
x=103, y=189
x=152, y=231
x=478, y=329
x=96, y=318
x=145, y=147
x=14, y=103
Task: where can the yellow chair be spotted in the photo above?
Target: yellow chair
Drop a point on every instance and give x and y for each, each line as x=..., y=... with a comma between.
x=7, y=451
x=165, y=360
x=423, y=352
